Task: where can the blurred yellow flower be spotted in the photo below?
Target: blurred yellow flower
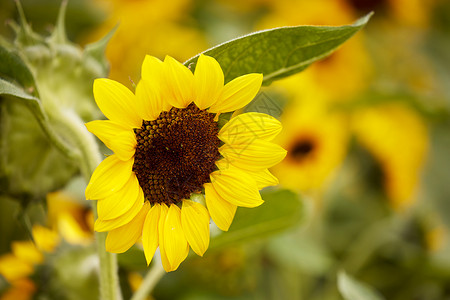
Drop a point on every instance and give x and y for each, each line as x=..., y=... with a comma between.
x=166, y=143
x=343, y=73
x=157, y=27
x=21, y=289
x=398, y=139
x=315, y=137
x=70, y=219
x=45, y=238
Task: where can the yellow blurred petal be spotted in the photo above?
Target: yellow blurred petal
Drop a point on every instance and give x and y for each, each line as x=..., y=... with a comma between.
x=254, y=156
x=13, y=268
x=222, y=212
x=208, y=81
x=45, y=238
x=105, y=130
x=195, y=222
x=121, y=239
x=178, y=83
x=106, y=225
x=162, y=219
x=120, y=202
x=71, y=230
x=250, y=126
x=116, y=102
x=238, y=93
x=109, y=177
x=237, y=187
x=124, y=145
x=27, y=251
x=175, y=244
x=150, y=234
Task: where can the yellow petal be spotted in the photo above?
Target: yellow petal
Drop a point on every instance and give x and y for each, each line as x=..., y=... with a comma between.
x=195, y=222
x=250, y=126
x=109, y=177
x=149, y=91
x=105, y=130
x=208, y=81
x=178, y=83
x=238, y=93
x=106, y=225
x=27, y=251
x=116, y=102
x=120, y=202
x=14, y=268
x=222, y=212
x=124, y=145
x=121, y=239
x=150, y=232
x=162, y=219
x=254, y=156
x=175, y=244
x=237, y=187
x=149, y=100
x=262, y=178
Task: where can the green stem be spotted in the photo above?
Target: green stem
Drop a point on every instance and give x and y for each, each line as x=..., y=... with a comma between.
x=150, y=280
x=69, y=122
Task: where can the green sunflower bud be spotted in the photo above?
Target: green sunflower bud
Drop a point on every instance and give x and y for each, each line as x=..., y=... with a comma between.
x=43, y=82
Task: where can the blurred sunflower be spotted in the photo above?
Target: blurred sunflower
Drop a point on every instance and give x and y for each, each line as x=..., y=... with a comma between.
x=167, y=149
x=398, y=139
x=156, y=26
x=315, y=137
x=17, y=266
x=346, y=71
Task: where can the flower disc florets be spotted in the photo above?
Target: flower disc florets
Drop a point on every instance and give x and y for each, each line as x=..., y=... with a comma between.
x=176, y=153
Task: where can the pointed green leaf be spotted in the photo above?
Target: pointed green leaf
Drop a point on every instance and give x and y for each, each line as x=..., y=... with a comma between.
x=279, y=52
x=281, y=210
x=352, y=289
x=97, y=49
x=59, y=33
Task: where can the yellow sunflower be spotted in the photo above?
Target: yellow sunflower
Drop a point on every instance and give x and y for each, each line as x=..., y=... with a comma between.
x=168, y=150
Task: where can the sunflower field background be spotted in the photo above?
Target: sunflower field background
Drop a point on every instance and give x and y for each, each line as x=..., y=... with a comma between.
x=362, y=209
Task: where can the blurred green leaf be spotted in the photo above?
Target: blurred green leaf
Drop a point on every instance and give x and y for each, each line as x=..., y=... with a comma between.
x=13, y=68
x=281, y=210
x=351, y=289
x=279, y=52
x=133, y=259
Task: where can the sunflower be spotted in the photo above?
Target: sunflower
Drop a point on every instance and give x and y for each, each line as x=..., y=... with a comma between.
x=169, y=151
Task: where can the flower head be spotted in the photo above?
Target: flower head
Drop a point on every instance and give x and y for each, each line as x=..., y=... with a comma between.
x=169, y=151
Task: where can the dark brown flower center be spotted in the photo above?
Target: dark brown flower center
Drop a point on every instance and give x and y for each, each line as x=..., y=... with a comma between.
x=176, y=153
x=301, y=149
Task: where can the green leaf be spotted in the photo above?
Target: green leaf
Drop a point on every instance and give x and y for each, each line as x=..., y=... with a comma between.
x=281, y=210
x=13, y=68
x=351, y=289
x=279, y=52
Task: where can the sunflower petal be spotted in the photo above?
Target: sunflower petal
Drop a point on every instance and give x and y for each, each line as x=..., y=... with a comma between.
x=105, y=130
x=250, y=126
x=222, y=212
x=263, y=178
x=106, y=225
x=237, y=187
x=162, y=219
x=238, y=93
x=253, y=156
x=116, y=102
x=124, y=145
x=109, y=177
x=121, y=239
x=195, y=222
x=177, y=83
x=120, y=202
x=208, y=81
x=150, y=239
x=175, y=243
